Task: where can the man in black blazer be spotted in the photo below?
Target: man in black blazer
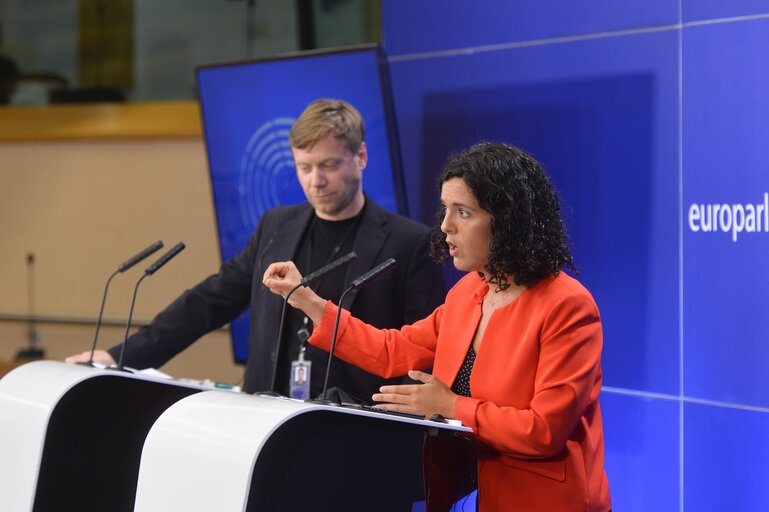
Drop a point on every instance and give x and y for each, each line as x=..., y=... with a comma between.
x=327, y=142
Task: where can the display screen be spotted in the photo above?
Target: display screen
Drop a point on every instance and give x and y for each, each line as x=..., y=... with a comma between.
x=248, y=109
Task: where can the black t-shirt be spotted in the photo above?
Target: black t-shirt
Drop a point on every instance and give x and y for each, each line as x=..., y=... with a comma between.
x=322, y=242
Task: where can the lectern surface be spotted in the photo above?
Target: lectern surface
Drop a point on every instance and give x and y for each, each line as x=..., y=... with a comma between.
x=242, y=452
x=71, y=436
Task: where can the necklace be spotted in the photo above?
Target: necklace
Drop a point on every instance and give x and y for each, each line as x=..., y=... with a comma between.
x=499, y=296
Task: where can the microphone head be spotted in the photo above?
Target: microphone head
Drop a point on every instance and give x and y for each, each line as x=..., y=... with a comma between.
x=176, y=249
x=334, y=265
x=372, y=274
x=139, y=257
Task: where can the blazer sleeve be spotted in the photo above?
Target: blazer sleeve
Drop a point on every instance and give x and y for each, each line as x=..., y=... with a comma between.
x=384, y=352
x=212, y=303
x=567, y=382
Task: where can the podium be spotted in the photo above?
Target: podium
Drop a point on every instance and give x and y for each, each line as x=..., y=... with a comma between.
x=71, y=436
x=80, y=438
x=236, y=452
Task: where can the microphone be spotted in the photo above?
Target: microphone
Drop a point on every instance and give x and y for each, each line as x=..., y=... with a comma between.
x=314, y=276
x=176, y=249
x=141, y=256
x=372, y=274
x=122, y=268
x=357, y=284
x=148, y=272
x=334, y=265
x=33, y=351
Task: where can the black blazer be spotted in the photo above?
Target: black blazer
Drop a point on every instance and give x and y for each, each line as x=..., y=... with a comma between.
x=408, y=293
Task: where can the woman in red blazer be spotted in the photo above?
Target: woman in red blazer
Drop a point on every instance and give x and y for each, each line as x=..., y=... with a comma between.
x=515, y=349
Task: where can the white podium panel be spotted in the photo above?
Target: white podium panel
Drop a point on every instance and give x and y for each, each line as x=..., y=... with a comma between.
x=239, y=452
x=71, y=436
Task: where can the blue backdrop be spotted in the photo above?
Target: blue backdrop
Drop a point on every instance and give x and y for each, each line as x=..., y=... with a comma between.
x=639, y=110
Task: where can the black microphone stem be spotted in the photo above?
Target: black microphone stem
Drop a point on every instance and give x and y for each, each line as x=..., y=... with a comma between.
x=148, y=272
x=101, y=312
x=322, y=272
x=357, y=284
x=280, y=337
x=122, y=268
x=333, y=342
x=128, y=324
x=32, y=335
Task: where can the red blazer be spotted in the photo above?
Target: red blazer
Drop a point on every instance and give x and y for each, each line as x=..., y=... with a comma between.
x=535, y=386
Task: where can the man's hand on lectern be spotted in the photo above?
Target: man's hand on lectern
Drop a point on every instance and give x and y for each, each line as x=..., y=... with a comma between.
x=99, y=356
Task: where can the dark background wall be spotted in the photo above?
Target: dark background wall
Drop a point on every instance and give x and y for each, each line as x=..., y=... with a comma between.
x=638, y=110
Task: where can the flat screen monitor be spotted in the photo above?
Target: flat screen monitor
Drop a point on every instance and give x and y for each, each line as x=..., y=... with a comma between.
x=248, y=109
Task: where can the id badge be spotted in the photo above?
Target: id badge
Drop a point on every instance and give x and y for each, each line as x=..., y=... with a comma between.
x=300, y=379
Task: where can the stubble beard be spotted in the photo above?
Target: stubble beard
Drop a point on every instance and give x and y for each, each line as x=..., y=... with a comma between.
x=344, y=201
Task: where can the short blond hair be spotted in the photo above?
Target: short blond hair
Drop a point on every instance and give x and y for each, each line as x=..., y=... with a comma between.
x=327, y=116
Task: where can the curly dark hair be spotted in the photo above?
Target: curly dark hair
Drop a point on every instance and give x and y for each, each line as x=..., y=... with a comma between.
x=528, y=239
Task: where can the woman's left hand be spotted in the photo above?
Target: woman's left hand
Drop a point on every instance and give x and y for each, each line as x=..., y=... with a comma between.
x=431, y=397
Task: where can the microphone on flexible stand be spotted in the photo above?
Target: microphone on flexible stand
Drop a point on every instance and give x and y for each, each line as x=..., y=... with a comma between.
x=322, y=272
x=148, y=272
x=33, y=351
x=122, y=268
x=357, y=284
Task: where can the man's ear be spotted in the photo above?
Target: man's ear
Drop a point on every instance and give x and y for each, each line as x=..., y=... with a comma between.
x=362, y=155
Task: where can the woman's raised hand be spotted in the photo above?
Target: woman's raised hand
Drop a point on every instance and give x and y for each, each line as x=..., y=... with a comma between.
x=282, y=277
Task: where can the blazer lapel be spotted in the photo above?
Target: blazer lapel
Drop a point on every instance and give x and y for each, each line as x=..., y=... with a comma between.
x=284, y=240
x=369, y=242
x=287, y=234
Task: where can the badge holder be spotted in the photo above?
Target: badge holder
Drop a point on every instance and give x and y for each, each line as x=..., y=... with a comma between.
x=299, y=386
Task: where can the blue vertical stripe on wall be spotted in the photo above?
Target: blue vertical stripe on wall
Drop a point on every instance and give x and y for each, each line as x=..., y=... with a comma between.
x=726, y=452
x=641, y=437
x=636, y=114
x=726, y=162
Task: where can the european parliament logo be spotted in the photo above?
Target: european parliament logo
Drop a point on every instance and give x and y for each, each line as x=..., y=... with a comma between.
x=735, y=218
x=266, y=170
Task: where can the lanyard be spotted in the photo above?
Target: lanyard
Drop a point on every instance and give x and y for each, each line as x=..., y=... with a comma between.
x=311, y=230
x=304, y=333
